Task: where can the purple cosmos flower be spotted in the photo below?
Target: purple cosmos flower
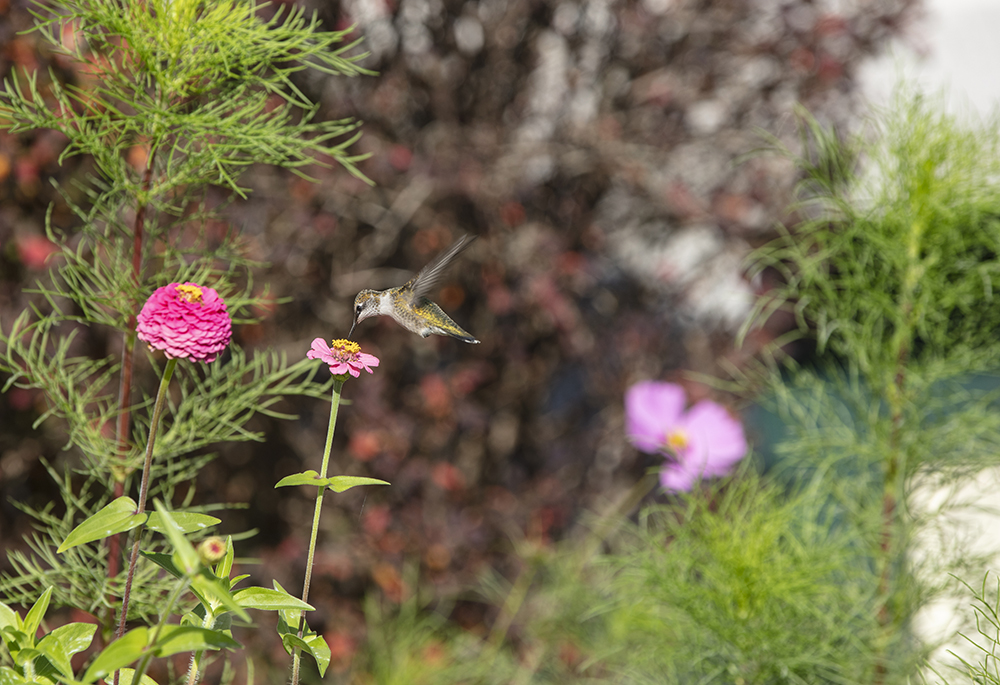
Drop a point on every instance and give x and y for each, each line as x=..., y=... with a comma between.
x=186, y=321
x=343, y=356
x=702, y=442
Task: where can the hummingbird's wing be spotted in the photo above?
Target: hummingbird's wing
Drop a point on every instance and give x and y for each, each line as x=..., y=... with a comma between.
x=425, y=282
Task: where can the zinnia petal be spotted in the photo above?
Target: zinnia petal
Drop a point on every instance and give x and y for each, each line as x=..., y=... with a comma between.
x=652, y=408
x=320, y=350
x=185, y=321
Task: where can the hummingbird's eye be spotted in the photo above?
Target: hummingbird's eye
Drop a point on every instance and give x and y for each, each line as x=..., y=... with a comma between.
x=359, y=308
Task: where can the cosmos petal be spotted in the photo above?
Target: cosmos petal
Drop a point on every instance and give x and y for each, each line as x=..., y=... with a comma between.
x=715, y=439
x=652, y=409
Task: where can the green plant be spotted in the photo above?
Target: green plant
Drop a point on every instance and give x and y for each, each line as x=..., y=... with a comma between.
x=165, y=99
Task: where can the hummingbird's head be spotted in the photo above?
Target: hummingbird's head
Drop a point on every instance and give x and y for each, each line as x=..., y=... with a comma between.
x=365, y=305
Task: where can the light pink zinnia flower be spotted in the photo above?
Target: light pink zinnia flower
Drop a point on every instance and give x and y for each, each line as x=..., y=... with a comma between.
x=186, y=321
x=702, y=442
x=343, y=356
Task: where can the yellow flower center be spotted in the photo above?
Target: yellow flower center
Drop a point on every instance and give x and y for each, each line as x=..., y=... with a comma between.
x=191, y=293
x=348, y=347
x=677, y=442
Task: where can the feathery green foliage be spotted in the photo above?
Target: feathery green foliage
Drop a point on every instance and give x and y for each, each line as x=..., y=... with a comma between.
x=165, y=98
x=816, y=573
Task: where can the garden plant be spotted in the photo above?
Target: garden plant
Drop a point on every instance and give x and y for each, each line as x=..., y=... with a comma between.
x=712, y=569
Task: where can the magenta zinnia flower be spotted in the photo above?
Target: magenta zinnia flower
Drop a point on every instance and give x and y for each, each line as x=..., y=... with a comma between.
x=702, y=442
x=186, y=321
x=343, y=356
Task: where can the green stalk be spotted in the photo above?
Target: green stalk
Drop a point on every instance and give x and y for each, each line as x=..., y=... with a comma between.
x=179, y=590
x=193, y=670
x=161, y=395
x=338, y=385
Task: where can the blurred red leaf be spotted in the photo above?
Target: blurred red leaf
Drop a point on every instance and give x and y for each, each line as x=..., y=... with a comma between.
x=35, y=250
x=387, y=577
x=447, y=477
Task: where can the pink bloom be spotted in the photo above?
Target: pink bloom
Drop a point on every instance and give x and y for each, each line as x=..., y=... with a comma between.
x=702, y=442
x=343, y=356
x=186, y=321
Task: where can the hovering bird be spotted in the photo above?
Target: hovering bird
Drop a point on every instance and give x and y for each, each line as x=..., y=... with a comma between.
x=409, y=305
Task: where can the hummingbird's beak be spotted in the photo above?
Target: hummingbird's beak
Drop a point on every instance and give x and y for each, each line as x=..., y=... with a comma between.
x=352, y=328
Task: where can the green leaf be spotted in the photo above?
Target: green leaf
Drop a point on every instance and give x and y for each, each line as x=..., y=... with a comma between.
x=8, y=676
x=320, y=651
x=25, y=656
x=121, y=652
x=127, y=674
x=290, y=641
x=55, y=658
x=266, y=599
x=188, y=522
x=225, y=565
x=335, y=483
x=286, y=617
x=75, y=637
x=185, y=556
x=211, y=590
x=314, y=645
x=9, y=617
x=36, y=614
x=309, y=477
x=117, y=517
x=14, y=639
x=164, y=561
x=65, y=641
x=175, y=639
x=342, y=483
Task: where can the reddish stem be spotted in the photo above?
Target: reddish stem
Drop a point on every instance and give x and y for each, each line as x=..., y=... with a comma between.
x=123, y=427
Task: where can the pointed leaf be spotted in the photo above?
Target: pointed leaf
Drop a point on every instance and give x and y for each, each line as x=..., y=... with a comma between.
x=164, y=561
x=225, y=565
x=309, y=477
x=35, y=615
x=9, y=617
x=126, y=675
x=266, y=599
x=54, y=658
x=75, y=637
x=342, y=483
x=290, y=641
x=175, y=639
x=217, y=596
x=320, y=651
x=117, y=517
x=286, y=617
x=185, y=557
x=313, y=645
x=121, y=652
x=187, y=521
x=8, y=676
x=62, y=643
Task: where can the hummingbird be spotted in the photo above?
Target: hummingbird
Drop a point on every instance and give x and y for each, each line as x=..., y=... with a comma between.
x=409, y=304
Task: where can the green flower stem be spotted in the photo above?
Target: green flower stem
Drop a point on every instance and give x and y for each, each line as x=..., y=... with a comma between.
x=161, y=395
x=179, y=590
x=338, y=385
x=193, y=670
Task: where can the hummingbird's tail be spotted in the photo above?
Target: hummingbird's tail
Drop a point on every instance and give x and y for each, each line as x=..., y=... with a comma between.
x=464, y=337
x=452, y=330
